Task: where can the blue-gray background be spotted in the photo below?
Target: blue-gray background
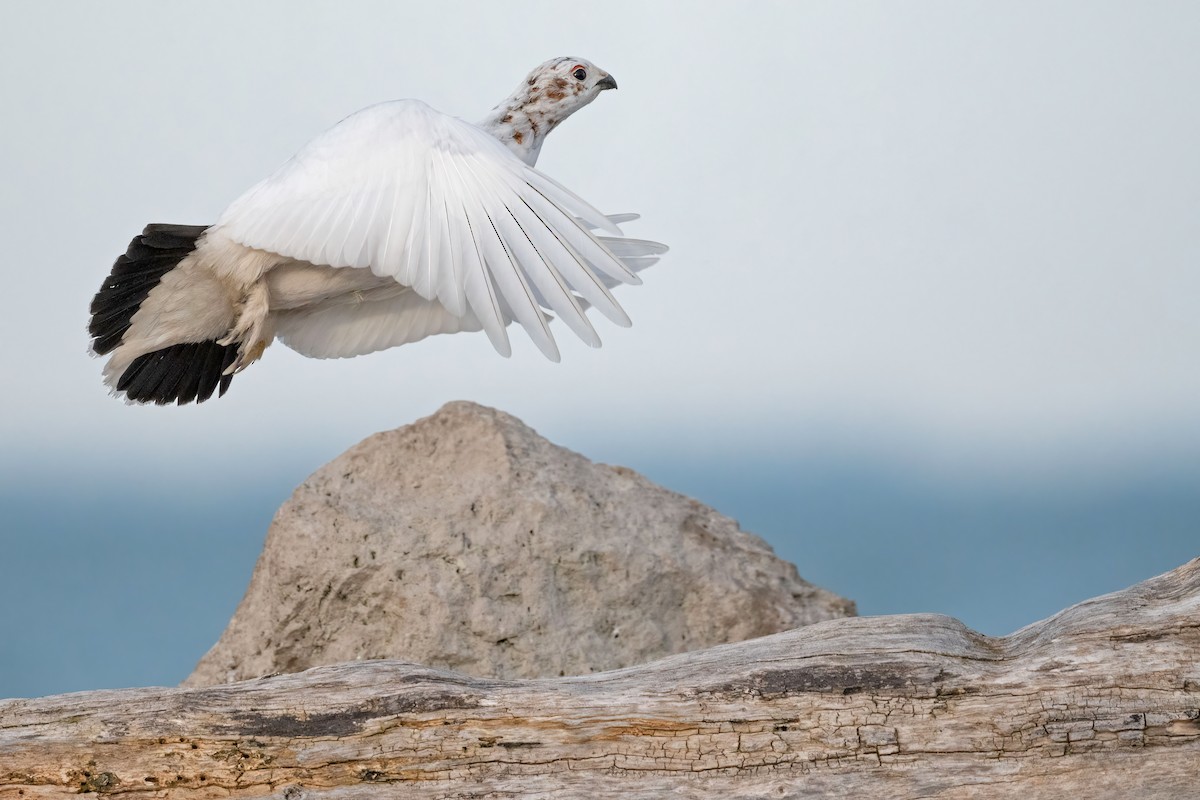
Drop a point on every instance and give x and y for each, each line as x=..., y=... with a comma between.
x=928, y=324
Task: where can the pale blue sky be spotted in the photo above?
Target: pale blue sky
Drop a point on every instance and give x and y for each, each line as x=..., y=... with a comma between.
x=939, y=229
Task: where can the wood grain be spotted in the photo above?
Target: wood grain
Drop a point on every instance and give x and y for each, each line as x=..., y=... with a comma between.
x=1099, y=701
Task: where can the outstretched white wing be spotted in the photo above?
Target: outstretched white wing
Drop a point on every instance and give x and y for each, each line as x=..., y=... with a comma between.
x=442, y=207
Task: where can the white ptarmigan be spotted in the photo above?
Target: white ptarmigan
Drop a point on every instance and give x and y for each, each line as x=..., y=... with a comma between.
x=398, y=223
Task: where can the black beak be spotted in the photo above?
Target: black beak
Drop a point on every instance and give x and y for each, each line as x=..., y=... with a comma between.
x=607, y=82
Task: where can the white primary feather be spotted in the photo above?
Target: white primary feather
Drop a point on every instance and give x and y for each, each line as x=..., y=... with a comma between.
x=620, y=219
x=442, y=207
x=625, y=247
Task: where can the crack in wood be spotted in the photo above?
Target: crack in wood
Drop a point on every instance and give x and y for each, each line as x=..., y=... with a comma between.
x=876, y=707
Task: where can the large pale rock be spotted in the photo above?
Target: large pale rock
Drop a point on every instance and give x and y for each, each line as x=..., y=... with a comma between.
x=466, y=541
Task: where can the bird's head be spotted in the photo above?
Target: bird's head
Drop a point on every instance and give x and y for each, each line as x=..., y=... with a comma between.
x=562, y=86
x=549, y=94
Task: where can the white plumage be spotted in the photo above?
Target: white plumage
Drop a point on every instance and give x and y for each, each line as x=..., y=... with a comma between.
x=398, y=223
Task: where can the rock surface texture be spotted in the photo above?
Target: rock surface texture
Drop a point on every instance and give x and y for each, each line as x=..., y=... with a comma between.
x=465, y=541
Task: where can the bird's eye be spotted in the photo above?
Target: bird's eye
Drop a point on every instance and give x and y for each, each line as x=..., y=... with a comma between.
x=580, y=74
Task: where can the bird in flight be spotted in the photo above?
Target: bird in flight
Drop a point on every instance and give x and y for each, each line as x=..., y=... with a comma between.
x=397, y=223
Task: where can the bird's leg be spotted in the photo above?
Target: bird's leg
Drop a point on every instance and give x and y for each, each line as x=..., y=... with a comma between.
x=250, y=332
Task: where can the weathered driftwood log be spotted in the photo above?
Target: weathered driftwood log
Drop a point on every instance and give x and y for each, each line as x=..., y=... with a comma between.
x=1100, y=701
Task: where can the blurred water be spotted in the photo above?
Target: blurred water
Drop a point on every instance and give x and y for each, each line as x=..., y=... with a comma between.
x=996, y=556
x=105, y=587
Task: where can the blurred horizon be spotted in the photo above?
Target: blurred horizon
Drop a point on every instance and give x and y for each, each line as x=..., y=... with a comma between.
x=112, y=583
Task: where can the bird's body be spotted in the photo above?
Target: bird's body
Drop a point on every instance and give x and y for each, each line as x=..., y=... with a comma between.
x=398, y=223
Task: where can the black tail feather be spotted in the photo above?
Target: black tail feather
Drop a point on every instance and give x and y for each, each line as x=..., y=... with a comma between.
x=181, y=373
x=151, y=255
